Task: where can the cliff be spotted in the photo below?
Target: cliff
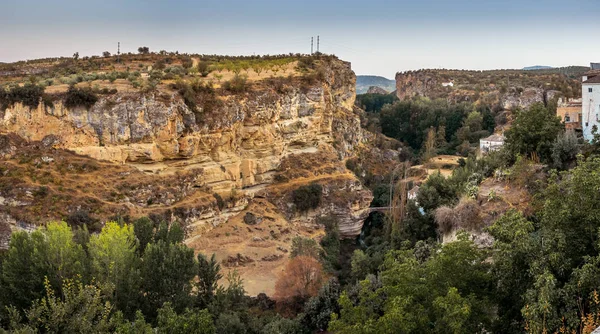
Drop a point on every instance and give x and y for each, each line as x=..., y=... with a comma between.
x=155, y=155
x=505, y=89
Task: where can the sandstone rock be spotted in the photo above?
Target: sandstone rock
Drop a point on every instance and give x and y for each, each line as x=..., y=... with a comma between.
x=237, y=146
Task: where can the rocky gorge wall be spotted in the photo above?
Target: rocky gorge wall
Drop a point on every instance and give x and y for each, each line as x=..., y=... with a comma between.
x=237, y=146
x=507, y=89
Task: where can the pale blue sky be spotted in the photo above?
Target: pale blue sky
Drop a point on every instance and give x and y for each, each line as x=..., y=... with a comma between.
x=378, y=37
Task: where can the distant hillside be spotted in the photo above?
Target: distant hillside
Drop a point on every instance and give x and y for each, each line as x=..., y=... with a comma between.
x=537, y=67
x=363, y=82
x=503, y=89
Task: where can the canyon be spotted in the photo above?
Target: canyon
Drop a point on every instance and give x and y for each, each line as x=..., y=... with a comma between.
x=136, y=154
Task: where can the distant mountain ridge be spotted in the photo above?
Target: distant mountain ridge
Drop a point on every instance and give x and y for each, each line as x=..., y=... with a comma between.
x=537, y=67
x=364, y=82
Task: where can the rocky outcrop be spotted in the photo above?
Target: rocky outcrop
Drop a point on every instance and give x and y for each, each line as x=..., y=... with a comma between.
x=410, y=84
x=377, y=90
x=522, y=99
x=507, y=89
x=236, y=146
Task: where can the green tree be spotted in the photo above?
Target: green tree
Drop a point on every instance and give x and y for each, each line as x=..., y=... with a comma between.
x=230, y=323
x=64, y=257
x=318, y=309
x=190, y=321
x=304, y=247
x=453, y=312
x=450, y=290
x=48, y=252
x=208, y=278
x=167, y=271
x=115, y=265
x=282, y=325
x=23, y=271
x=144, y=232
x=515, y=248
x=124, y=326
x=79, y=309
x=533, y=131
x=565, y=149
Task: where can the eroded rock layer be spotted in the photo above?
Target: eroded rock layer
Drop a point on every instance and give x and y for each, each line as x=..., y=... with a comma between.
x=232, y=147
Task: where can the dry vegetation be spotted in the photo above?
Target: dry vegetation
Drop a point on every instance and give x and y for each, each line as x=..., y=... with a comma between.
x=44, y=183
x=264, y=246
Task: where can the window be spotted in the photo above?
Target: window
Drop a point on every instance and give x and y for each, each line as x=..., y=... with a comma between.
x=590, y=90
x=567, y=119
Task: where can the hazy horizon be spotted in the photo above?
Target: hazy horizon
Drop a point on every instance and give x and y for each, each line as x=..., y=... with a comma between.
x=378, y=38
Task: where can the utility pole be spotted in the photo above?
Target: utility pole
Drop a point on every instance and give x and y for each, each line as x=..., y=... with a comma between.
x=317, y=43
x=311, y=45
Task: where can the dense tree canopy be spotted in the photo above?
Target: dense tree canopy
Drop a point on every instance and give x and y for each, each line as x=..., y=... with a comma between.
x=533, y=131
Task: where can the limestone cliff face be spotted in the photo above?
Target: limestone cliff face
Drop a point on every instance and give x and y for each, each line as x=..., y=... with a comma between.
x=508, y=89
x=236, y=146
x=412, y=84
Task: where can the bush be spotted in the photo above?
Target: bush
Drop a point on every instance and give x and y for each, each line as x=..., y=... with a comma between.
x=565, y=150
x=238, y=84
x=159, y=65
x=305, y=64
x=81, y=218
x=29, y=95
x=80, y=97
x=203, y=68
x=305, y=247
x=307, y=197
x=175, y=70
x=465, y=215
x=220, y=201
x=230, y=323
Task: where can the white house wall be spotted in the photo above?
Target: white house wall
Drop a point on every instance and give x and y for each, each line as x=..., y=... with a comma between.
x=590, y=109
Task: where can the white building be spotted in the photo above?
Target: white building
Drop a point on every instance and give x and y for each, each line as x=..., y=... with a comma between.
x=491, y=143
x=590, y=103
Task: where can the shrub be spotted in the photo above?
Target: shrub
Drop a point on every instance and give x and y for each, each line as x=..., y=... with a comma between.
x=175, y=70
x=159, y=65
x=307, y=197
x=464, y=215
x=445, y=218
x=204, y=68
x=565, y=150
x=29, y=95
x=305, y=64
x=81, y=218
x=238, y=84
x=41, y=192
x=187, y=62
x=304, y=247
x=187, y=93
x=220, y=201
x=80, y=97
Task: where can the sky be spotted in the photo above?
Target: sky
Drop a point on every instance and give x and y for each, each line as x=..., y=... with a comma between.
x=378, y=37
